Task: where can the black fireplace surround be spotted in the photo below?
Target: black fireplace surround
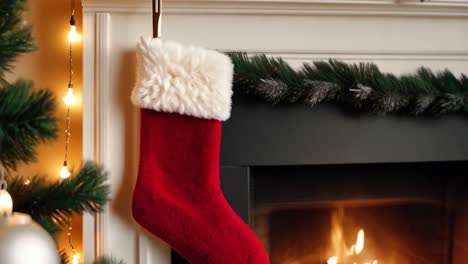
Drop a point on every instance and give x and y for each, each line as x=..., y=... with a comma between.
x=288, y=157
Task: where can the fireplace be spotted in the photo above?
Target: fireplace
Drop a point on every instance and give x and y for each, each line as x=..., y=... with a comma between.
x=366, y=214
x=325, y=186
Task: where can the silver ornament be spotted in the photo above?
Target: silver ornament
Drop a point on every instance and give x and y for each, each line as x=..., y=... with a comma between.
x=22, y=241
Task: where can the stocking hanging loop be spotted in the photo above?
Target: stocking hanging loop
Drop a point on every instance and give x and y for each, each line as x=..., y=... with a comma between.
x=157, y=13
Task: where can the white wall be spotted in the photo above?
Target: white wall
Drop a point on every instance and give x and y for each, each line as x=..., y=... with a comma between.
x=398, y=35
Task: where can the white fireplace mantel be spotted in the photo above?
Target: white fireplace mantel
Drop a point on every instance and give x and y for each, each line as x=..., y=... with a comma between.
x=292, y=7
x=397, y=35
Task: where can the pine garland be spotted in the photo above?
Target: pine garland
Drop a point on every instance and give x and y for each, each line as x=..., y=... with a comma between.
x=361, y=87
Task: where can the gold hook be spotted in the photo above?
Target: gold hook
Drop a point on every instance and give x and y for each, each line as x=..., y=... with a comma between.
x=157, y=13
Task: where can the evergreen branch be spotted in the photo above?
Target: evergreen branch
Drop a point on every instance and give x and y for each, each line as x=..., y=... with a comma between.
x=108, y=260
x=49, y=225
x=52, y=203
x=63, y=257
x=362, y=86
x=15, y=35
x=26, y=119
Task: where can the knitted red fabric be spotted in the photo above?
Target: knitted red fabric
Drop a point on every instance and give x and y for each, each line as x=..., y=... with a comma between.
x=178, y=198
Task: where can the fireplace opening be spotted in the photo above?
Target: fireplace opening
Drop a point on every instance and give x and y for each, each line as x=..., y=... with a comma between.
x=414, y=213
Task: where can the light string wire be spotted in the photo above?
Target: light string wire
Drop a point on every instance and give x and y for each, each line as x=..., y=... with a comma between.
x=68, y=130
x=70, y=86
x=70, y=241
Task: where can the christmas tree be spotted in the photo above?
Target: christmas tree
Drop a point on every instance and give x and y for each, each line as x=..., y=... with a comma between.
x=27, y=120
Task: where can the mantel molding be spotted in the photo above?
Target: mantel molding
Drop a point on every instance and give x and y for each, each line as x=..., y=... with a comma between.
x=444, y=8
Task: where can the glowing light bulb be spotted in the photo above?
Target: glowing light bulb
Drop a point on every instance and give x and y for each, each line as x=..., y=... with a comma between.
x=333, y=260
x=73, y=35
x=64, y=172
x=76, y=258
x=27, y=182
x=6, y=203
x=69, y=99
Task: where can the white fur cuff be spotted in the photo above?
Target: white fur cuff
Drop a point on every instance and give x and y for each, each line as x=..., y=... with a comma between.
x=188, y=80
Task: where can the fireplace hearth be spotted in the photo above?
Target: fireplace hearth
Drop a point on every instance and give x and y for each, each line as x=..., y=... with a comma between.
x=308, y=181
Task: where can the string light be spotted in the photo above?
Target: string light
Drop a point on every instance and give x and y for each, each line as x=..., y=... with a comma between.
x=69, y=99
x=6, y=203
x=64, y=172
x=76, y=258
x=73, y=35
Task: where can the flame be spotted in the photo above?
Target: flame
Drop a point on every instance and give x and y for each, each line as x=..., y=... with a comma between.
x=359, y=242
x=350, y=251
x=338, y=245
x=333, y=260
x=342, y=253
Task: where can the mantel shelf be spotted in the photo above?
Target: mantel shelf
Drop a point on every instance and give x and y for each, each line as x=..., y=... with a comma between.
x=457, y=8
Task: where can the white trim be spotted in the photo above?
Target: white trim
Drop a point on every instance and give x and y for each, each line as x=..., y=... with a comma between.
x=142, y=247
x=309, y=55
x=96, y=79
x=292, y=7
x=101, y=93
x=89, y=234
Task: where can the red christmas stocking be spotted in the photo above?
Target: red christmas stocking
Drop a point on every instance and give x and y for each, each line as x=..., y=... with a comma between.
x=185, y=93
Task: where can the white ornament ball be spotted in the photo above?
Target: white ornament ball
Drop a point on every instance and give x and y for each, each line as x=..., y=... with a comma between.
x=22, y=241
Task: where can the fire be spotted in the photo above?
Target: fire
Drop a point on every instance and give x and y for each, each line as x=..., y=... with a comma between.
x=359, y=242
x=352, y=253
